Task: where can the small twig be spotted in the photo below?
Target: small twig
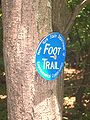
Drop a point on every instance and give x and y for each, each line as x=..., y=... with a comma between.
x=76, y=86
x=74, y=14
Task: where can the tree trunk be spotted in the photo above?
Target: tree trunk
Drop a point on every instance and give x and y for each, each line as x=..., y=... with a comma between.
x=25, y=22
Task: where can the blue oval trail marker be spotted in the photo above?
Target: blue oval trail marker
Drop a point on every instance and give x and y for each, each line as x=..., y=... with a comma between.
x=50, y=56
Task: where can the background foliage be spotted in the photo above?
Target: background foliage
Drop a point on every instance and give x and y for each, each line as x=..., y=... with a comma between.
x=77, y=85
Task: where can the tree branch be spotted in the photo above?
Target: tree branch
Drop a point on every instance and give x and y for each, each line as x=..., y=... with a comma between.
x=74, y=14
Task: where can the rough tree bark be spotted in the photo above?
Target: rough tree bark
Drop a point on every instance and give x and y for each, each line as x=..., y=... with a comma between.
x=25, y=22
